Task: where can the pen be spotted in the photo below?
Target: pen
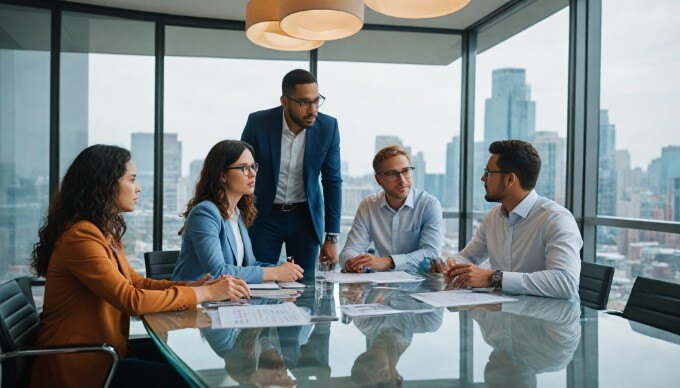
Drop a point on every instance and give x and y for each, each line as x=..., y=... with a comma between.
x=323, y=318
x=290, y=259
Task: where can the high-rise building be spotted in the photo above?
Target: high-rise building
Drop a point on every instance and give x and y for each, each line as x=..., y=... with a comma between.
x=418, y=161
x=669, y=167
x=382, y=141
x=142, y=150
x=452, y=180
x=606, y=204
x=172, y=172
x=676, y=199
x=434, y=185
x=509, y=113
x=73, y=107
x=552, y=179
x=481, y=156
x=623, y=174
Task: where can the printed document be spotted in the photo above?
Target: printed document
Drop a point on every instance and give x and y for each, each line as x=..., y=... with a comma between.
x=374, y=277
x=264, y=286
x=456, y=298
x=373, y=309
x=265, y=315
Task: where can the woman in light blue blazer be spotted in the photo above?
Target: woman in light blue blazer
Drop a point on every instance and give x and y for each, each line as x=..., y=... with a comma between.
x=215, y=236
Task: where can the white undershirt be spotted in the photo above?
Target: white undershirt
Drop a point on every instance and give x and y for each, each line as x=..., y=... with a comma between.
x=233, y=220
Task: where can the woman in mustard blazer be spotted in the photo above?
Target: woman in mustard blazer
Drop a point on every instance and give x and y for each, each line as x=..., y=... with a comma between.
x=91, y=290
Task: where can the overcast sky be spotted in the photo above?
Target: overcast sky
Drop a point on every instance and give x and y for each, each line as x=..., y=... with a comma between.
x=207, y=100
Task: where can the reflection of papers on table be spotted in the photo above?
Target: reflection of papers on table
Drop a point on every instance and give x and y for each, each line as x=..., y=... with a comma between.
x=375, y=277
x=267, y=315
x=373, y=309
x=291, y=285
x=264, y=286
x=273, y=294
x=456, y=298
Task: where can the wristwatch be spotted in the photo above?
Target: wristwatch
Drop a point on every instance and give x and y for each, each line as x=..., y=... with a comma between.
x=332, y=238
x=497, y=279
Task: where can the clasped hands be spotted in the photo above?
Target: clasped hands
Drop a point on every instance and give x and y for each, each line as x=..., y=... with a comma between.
x=458, y=275
x=362, y=262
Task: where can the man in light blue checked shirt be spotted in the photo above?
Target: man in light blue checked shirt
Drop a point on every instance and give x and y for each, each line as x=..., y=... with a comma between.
x=404, y=223
x=532, y=243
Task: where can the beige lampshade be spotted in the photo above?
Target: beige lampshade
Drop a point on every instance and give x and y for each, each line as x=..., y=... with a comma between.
x=321, y=19
x=262, y=28
x=416, y=9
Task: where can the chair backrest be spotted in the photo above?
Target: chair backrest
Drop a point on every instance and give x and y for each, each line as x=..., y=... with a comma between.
x=160, y=264
x=18, y=328
x=655, y=303
x=595, y=284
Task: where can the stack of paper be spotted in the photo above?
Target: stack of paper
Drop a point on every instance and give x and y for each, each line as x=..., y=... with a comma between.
x=267, y=315
x=291, y=285
x=274, y=294
x=374, y=277
x=456, y=298
x=264, y=286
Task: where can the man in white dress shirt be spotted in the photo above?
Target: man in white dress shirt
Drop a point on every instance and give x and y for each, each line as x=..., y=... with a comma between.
x=532, y=243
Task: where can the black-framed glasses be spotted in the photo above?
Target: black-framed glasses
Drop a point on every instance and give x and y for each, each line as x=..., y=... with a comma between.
x=245, y=168
x=487, y=173
x=394, y=174
x=305, y=104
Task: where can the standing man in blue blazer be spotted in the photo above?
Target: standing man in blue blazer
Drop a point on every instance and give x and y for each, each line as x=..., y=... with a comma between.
x=294, y=144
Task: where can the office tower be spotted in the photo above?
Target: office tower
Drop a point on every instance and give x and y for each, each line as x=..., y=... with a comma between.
x=73, y=107
x=195, y=168
x=142, y=149
x=352, y=195
x=434, y=184
x=676, y=199
x=143, y=154
x=606, y=204
x=452, y=179
x=669, y=167
x=382, y=141
x=623, y=174
x=172, y=171
x=552, y=179
x=24, y=154
x=418, y=161
x=509, y=113
x=481, y=157
x=344, y=168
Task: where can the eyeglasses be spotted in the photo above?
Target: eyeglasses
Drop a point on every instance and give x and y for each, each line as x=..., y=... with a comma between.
x=304, y=104
x=245, y=168
x=487, y=173
x=394, y=174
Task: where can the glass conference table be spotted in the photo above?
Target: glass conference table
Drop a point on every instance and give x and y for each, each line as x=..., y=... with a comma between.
x=532, y=342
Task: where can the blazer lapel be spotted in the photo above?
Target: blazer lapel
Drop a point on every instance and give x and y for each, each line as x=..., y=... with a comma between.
x=311, y=144
x=275, y=143
x=231, y=240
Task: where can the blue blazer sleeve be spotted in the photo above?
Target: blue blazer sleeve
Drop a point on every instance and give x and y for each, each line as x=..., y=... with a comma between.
x=213, y=252
x=332, y=183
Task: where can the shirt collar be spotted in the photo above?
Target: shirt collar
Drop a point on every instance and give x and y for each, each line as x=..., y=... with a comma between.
x=409, y=200
x=522, y=209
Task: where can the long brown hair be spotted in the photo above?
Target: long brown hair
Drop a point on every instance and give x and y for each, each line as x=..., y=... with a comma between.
x=88, y=192
x=209, y=186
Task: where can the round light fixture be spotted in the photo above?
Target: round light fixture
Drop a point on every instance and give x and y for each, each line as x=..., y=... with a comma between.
x=321, y=19
x=263, y=29
x=420, y=9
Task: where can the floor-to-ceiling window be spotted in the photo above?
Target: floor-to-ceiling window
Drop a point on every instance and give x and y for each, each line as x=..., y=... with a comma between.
x=24, y=133
x=398, y=88
x=107, y=97
x=213, y=80
x=639, y=148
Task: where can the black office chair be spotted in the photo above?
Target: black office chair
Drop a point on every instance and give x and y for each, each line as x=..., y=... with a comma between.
x=595, y=284
x=18, y=328
x=160, y=264
x=655, y=303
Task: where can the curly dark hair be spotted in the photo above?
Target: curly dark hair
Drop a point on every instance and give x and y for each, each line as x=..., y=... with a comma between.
x=209, y=186
x=520, y=157
x=88, y=192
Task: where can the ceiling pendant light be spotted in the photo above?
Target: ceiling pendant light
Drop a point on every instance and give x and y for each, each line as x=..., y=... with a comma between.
x=420, y=9
x=321, y=19
x=262, y=28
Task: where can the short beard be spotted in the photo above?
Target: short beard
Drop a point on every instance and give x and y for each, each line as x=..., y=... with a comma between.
x=489, y=198
x=299, y=122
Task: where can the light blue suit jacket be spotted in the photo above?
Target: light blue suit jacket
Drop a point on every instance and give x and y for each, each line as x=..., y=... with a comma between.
x=209, y=246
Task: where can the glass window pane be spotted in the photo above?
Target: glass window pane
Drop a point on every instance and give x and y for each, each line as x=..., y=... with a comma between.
x=212, y=83
x=414, y=103
x=24, y=133
x=639, y=143
x=107, y=97
x=637, y=253
x=522, y=95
